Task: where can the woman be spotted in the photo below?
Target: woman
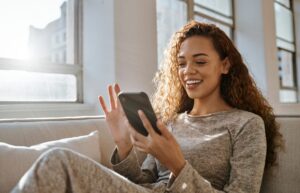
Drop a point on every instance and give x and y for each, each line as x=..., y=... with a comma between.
x=218, y=132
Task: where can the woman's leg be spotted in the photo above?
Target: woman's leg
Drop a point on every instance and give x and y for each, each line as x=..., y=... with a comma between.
x=61, y=170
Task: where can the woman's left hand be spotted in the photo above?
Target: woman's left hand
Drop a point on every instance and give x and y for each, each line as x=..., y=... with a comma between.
x=163, y=147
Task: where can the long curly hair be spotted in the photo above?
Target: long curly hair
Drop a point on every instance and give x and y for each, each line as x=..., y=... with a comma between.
x=238, y=88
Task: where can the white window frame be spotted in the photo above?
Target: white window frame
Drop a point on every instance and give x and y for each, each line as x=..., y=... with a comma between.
x=54, y=68
x=291, y=109
x=258, y=48
x=292, y=49
x=224, y=20
x=44, y=109
x=269, y=84
x=109, y=47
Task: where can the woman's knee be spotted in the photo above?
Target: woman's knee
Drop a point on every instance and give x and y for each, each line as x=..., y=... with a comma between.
x=56, y=154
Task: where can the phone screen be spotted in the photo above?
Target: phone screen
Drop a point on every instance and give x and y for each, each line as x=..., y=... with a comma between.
x=131, y=103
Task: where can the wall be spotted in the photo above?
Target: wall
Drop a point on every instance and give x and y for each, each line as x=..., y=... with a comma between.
x=119, y=46
x=136, y=47
x=98, y=57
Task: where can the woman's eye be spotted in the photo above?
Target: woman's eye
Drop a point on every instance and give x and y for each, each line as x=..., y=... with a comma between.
x=201, y=63
x=181, y=65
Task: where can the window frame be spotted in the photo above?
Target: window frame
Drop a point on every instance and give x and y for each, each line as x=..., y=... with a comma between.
x=269, y=84
x=293, y=51
x=267, y=71
x=75, y=68
x=192, y=13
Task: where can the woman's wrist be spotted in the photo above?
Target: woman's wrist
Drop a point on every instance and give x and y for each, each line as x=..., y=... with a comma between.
x=123, y=150
x=178, y=167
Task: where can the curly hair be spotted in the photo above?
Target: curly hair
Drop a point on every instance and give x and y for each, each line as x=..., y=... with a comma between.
x=237, y=88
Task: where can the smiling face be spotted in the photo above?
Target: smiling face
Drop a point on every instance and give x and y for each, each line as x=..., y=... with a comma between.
x=200, y=68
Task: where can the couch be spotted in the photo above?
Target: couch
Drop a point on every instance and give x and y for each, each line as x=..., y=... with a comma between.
x=27, y=132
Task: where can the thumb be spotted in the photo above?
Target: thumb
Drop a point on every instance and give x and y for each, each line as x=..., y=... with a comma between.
x=163, y=129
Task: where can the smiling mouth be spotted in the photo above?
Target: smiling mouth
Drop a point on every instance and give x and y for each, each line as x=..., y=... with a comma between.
x=191, y=84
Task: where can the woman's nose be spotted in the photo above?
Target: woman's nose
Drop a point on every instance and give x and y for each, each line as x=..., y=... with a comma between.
x=189, y=68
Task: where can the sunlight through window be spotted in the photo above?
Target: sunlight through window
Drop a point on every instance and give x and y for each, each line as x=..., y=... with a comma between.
x=39, y=42
x=27, y=28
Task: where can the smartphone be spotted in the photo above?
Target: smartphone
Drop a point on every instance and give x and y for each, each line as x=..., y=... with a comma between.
x=131, y=103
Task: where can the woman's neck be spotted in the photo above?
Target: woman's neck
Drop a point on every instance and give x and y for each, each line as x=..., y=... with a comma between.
x=209, y=105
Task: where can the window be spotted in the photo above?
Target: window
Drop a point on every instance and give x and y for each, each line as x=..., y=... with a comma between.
x=40, y=53
x=285, y=40
x=218, y=12
x=173, y=14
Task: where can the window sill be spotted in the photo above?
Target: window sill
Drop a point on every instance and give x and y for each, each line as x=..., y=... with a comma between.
x=42, y=110
x=287, y=110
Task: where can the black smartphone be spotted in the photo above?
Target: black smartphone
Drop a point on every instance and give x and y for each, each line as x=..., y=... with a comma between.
x=131, y=103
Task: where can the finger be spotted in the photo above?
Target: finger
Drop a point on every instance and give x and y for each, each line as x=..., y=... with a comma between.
x=102, y=103
x=141, y=149
x=131, y=139
x=139, y=145
x=117, y=91
x=136, y=136
x=117, y=88
x=111, y=97
x=136, y=143
x=146, y=123
x=163, y=129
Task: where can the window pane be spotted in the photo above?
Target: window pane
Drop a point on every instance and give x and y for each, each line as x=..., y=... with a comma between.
x=285, y=45
x=284, y=23
x=33, y=86
x=286, y=71
x=207, y=13
x=225, y=28
x=288, y=96
x=36, y=30
x=171, y=16
x=221, y=6
x=284, y=2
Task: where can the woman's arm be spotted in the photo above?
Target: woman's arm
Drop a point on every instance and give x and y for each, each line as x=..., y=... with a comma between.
x=125, y=158
x=247, y=165
x=133, y=170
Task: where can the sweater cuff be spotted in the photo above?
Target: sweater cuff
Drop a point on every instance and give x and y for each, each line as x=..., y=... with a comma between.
x=177, y=184
x=184, y=181
x=126, y=167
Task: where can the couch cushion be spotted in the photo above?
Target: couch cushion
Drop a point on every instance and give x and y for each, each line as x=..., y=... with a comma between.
x=284, y=178
x=28, y=132
x=16, y=160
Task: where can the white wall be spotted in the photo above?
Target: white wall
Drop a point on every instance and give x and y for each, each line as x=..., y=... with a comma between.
x=98, y=50
x=136, y=47
x=254, y=37
x=119, y=46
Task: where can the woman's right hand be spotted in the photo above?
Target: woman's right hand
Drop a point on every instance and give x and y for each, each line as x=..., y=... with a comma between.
x=117, y=121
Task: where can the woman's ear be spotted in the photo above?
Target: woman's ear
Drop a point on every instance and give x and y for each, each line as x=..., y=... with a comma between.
x=226, y=66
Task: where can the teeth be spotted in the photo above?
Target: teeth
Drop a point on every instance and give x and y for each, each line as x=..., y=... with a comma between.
x=193, y=81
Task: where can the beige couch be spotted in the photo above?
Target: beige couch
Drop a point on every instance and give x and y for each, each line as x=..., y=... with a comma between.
x=284, y=179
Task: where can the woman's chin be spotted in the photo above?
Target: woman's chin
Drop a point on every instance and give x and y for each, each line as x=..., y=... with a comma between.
x=194, y=95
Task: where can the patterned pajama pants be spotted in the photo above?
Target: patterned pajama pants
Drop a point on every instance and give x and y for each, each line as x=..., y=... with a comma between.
x=61, y=170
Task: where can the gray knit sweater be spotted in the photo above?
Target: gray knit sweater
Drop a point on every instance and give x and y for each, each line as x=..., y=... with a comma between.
x=225, y=152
